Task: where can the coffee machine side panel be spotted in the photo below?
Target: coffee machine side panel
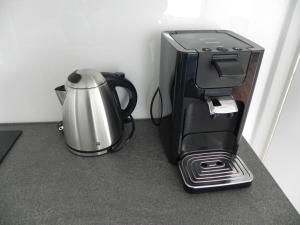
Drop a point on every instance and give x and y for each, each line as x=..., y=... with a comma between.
x=175, y=63
x=244, y=92
x=168, y=59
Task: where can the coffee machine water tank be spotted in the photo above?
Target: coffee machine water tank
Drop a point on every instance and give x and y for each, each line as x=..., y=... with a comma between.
x=207, y=79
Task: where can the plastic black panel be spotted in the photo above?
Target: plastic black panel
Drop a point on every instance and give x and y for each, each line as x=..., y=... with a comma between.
x=198, y=118
x=205, y=142
x=188, y=75
x=209, y=39
x=209, y=77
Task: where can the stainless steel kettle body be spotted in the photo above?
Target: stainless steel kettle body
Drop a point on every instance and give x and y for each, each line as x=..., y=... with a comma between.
x=92, y=115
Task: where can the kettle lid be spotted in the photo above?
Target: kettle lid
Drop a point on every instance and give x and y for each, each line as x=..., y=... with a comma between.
x=85, y=78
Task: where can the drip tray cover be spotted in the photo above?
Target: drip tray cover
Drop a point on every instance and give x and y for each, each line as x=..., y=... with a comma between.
x=213, y=171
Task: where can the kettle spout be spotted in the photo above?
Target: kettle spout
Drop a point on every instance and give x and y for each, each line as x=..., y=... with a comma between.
x=61, y=93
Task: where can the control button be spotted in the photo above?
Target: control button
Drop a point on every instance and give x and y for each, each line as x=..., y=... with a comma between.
x=237, y=49
x=206, y=49
x=222, y=49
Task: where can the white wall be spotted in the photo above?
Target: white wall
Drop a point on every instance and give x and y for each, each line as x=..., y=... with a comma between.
x=41, y=42
x=283, y=156
x=277, y=82
x=280, y=122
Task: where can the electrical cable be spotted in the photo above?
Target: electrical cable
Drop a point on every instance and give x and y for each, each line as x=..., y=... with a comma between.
x=127, y=139
x=156, y=123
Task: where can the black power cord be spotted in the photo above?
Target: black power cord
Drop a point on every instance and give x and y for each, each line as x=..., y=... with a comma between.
x=156, y=123
x=125, y=141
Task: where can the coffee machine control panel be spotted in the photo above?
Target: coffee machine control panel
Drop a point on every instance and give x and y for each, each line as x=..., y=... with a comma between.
x=210, y=41
x=221, y=70
x=222, y=58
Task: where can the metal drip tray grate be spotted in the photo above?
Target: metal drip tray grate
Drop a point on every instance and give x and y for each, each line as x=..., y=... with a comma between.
x=214, y=170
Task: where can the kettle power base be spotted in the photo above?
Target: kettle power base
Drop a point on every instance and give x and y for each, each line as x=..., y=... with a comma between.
x=213, y=171
x=87, y=154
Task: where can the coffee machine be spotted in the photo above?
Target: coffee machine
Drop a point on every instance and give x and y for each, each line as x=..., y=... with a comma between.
x=206, y=83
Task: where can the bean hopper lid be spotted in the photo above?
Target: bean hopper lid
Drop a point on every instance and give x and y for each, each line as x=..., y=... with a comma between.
x=85, y=78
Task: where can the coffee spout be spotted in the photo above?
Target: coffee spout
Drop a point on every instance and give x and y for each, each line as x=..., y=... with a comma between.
x=61, y=93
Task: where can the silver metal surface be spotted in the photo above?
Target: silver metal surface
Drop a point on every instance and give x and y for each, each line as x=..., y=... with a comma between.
x=91, y=119
x=211, y=170
x=91, y=116
x=88, y=79
x=61, y=93
x=226, y=105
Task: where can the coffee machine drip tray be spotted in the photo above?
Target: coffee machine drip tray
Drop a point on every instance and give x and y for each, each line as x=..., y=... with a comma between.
x=213, y=171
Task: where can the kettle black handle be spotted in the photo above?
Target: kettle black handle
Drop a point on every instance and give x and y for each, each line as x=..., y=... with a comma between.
x=118, y=80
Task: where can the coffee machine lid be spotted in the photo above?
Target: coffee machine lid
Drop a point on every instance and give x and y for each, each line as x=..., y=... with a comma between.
x=210, y=41
x=85, y=78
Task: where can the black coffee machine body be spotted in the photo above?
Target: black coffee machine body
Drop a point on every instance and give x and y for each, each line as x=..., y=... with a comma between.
x=206, y=83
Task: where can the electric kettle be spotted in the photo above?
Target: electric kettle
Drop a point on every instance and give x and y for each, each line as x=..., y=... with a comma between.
x=93, y=120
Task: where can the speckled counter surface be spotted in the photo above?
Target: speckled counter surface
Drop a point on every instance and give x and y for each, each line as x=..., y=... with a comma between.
x=41, y=182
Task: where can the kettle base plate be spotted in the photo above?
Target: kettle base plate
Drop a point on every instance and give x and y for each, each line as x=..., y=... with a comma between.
x=213, y=171
x=88, y=154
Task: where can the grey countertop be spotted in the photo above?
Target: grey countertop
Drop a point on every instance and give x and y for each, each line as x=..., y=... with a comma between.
x=41, y=182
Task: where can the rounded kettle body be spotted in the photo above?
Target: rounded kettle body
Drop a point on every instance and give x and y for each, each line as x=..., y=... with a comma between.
x=92, y=115
x=92, y=122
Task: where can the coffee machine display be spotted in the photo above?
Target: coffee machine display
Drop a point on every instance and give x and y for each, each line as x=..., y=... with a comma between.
x=206, y=84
